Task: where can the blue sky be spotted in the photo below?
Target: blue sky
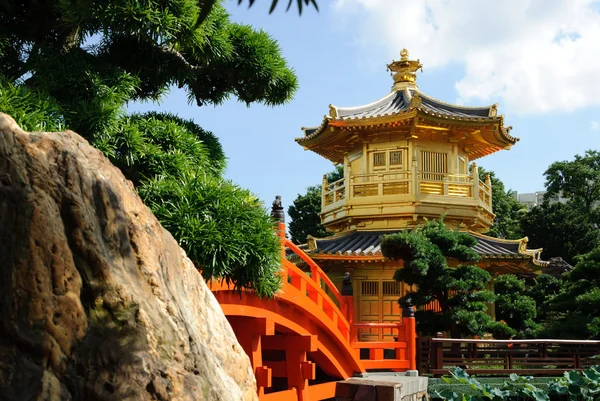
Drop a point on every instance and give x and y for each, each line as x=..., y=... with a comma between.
x=539, y=60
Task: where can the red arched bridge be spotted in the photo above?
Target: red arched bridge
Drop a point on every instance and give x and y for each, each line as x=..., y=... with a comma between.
x=302, y=341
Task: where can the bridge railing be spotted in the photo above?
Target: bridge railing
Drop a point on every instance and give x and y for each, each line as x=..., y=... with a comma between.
x=312, y=287
x=316, y=274
x=402, y=350
x=539, y=356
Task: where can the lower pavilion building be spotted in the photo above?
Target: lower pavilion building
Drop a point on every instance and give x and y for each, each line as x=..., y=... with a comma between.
x=406, y=158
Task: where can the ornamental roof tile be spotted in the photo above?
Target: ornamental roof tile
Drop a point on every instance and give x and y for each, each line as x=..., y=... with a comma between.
x=368, y=243
x=400, y=101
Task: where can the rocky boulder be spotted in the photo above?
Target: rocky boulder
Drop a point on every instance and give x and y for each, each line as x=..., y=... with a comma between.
x=97, y=300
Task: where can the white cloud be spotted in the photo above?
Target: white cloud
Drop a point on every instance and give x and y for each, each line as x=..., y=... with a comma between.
x=535, y=56
x=594, y=125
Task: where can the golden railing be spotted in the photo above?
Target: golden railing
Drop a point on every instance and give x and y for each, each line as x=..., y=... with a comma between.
x=375, y=184
x=458, y=185
x=406, y=182
x=333, y=192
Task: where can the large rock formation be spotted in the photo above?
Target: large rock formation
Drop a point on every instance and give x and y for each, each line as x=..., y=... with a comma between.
x=97, y=300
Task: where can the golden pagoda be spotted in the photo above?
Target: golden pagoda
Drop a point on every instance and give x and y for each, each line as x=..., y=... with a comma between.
x=406, y=158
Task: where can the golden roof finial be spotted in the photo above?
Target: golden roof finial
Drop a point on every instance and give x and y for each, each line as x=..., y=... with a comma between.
x=405, y=69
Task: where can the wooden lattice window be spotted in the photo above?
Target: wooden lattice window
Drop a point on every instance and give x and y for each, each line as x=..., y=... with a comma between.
x=396, y=158
x=370, y=288
x=379, y=159
x=434, y=165
x=391, y=288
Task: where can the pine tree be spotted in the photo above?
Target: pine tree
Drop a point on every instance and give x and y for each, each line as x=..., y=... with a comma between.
x=79, y=63
x=459, y=291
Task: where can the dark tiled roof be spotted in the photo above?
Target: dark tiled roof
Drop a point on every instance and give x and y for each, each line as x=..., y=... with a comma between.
x=398, y=101
x=454, y=110
x=393, y=103
x=367, y=243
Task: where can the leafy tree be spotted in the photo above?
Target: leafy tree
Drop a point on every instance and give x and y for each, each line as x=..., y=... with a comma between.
x=561, y=229
x=305, y=216
x=31, y=110
x=507, y=209
x=305, y=212
x=139, y=51
x=514, y=307
x=543, y=289
x=460, y=291
x=577, y=180
x=206, y=6
x=222, y=227
x=575, y=310
x=152, y=144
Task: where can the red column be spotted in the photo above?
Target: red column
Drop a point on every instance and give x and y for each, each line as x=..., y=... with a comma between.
x=410, y=327
x=348, y=311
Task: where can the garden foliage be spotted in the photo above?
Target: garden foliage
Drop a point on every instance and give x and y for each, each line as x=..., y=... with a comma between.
x=514, y=307
x=573, y=385
x=507, y=209
x=67, y=64
x=305, y=211
x=574, y=312
x=460, y=291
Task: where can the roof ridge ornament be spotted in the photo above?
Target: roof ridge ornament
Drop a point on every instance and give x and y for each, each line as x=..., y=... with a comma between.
x=415, y=101
x=333, y=113
x=405, y=70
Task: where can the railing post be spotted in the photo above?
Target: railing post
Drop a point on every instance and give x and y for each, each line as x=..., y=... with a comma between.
x=488, y=183
x=475, y=178
x=348, y=307
x=410, y=335
x=415, y=179
x=278, y=216
x=347, y=178
x=314, y=275
x=438, y=352
x=324, y=185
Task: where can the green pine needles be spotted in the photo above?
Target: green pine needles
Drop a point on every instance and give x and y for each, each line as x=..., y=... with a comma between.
x=223, y=228
x=460, y=291
x=76, y=65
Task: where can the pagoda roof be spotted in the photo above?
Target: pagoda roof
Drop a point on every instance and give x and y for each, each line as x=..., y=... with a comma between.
x=400, y=101
x=403, y=104
x=368, y=244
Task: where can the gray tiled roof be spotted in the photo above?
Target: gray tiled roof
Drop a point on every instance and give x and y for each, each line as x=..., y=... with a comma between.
x=392, y=103
x=367, y=243
x=398, y=101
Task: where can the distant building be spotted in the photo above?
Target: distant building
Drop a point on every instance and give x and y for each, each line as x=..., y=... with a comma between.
x=536, y=198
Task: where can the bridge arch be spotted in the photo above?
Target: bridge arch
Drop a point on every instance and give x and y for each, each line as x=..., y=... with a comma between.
x=289, y=336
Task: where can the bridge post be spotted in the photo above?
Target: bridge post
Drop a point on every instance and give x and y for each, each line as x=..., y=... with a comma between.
x=348, y=307
x=410, y=327
x=249, y=332
x=296, y=368
x=278, y=216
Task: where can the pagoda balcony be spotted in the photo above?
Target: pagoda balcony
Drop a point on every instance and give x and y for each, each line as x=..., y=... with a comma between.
x=407, y=193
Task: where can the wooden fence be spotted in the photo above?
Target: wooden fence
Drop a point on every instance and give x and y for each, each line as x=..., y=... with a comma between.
x=528, y=357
